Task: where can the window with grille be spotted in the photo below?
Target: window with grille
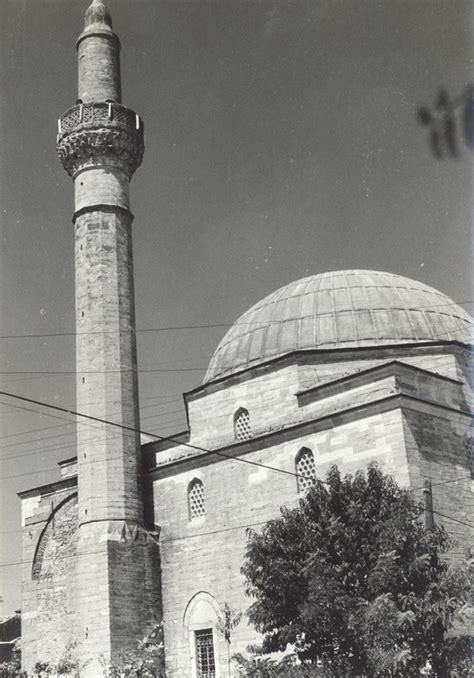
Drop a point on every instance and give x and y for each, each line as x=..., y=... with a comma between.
x=196, y=499
x=305, y=469
x=205, y=661
x=242, y=430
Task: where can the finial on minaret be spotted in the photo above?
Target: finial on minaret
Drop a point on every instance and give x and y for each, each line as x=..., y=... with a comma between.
x=97, y=13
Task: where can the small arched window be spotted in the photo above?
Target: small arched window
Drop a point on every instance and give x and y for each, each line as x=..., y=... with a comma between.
x=242, y=429
x=305, y=469
x=196, y=506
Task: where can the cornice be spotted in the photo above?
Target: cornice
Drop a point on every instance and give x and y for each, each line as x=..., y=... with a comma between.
x=301, y=357
x=50, y=488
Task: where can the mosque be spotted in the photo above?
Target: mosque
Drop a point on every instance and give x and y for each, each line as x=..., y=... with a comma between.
x=340, y=368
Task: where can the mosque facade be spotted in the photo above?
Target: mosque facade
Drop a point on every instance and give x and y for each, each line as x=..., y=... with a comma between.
x=339, y=368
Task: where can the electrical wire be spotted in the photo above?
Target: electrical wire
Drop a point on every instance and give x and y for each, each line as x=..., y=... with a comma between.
x=11, y=405
x=172, y=328
x=153, y=370
x=62, y=435
x=156, y=436
x=442, y=482
x=49, y=428
x=210, y=532
x=153, y=435
x=455, y=520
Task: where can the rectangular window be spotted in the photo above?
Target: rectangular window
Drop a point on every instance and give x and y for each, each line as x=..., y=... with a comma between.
x=205, y=662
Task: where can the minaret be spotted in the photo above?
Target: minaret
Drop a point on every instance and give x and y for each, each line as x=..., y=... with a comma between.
x=100, y=144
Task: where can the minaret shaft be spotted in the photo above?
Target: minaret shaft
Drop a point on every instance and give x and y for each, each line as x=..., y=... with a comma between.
x=100, y=144
x=108, y=456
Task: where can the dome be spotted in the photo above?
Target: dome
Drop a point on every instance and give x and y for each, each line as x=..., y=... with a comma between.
x=341, y=309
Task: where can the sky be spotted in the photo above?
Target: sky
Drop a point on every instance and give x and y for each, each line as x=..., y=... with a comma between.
x=281, y=141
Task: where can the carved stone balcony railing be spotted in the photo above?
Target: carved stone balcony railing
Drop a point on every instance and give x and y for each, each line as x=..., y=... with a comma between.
x=100, y=133
x=98, y=115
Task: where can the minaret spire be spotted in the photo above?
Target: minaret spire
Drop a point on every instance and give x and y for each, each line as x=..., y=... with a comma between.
x=100, y=144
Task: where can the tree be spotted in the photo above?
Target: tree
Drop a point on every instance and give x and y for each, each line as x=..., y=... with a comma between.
x=265, y=667
x=355, y=582
x=146, y=661
x=226, y=623
x=12, y=668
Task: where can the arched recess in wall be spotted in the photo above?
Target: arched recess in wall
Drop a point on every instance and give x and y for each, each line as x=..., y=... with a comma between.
x=200, y=620
x=60, y=528
x=305, y=469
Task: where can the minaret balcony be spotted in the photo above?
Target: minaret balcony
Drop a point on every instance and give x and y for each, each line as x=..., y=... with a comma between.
x=102, y=133
x=102, y=114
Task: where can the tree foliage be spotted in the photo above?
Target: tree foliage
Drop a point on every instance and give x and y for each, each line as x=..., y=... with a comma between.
x=265, y=667
x=12, y=668
x=145, y=661
x=353, y=580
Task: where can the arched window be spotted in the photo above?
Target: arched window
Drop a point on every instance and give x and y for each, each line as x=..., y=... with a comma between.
x=305, y=469
x=201, y=619
x=242, y=430
x=196, y=505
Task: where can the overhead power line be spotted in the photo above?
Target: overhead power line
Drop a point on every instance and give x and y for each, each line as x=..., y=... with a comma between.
x=172, y=328
x=455, y=520
x=62, y=435
x=157, y=436
x=172, y=439
x=156, y=369
x=204, y=534
x=49, y=428
x=72, y=423
x=154, y=435
x=162, y=541
x=72, y=445
x=439, y=335
x=443, y=482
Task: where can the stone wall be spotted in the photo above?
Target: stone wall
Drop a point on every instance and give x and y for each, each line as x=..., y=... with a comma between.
x=205, y=554
x=409, y=415
x=437, y=448
x=48, y=607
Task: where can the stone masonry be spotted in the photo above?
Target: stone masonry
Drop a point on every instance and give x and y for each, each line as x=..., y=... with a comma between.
x=404, y=408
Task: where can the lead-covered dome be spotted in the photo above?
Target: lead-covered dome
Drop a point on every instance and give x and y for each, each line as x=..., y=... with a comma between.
x=341, y=309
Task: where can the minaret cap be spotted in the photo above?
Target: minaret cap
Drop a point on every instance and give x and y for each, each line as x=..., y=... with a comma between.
x=97, y=13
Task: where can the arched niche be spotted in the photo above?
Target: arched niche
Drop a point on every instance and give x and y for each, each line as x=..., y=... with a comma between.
x=200, y=620
x=56, y=535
